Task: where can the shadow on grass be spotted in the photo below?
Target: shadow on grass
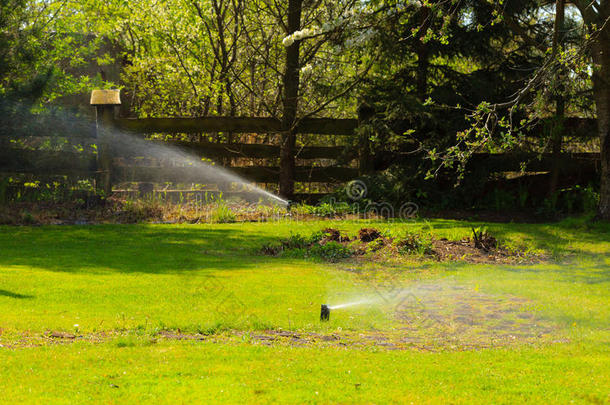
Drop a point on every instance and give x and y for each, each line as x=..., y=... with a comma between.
x=9, y=294
x=182, y=249
x=131, y=249
x=559, y=239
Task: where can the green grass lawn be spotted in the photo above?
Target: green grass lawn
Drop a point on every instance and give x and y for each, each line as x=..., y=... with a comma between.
x=490, y=333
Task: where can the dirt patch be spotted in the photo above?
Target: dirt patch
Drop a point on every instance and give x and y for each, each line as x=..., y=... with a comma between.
x=178, y=335
x=466, y=250
x=428, y=316
x=446, y=315
x=333, y=235
x=420, y=329
x=61, y=335
x=117, y=209
x=368, y=234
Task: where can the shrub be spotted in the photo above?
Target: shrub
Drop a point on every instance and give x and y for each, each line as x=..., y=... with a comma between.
x=272, y=249
x=331, y=251
x=298, y=241
x=134, y=211
x=414, y=243
x=329, y=208
x=375, y=245
x=27, y=218
x=222, y=214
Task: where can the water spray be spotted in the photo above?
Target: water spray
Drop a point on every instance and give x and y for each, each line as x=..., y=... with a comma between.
x=325, y=308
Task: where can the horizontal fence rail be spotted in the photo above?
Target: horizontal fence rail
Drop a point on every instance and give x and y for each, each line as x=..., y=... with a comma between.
x=249, y=150
x=14, y=160
x=258, y=174
x=64, y=162
x=534, y=162
x=260, y=125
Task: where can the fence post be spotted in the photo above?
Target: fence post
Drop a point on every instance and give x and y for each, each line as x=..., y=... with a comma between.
x=104, y=102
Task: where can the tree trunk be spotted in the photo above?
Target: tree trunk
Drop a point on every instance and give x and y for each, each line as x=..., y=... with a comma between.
x=595, y=16
x=557, y=128
x=601, y=90
x=423, y=55
x=290, y=101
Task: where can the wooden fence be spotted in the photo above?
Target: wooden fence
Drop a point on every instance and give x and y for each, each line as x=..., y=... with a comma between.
x=109, y=172
x=108, y=166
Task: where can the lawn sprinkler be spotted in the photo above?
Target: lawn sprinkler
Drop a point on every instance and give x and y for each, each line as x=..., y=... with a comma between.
x=324, y=313
x=289, y=205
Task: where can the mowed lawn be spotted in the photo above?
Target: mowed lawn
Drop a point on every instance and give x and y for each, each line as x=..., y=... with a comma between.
x=116, y=287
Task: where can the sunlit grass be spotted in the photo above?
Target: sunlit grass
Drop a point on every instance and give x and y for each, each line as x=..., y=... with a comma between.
x=135, y=280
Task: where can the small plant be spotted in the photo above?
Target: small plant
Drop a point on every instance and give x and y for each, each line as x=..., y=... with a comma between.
x=298, y=241
x=414, y=243
x=272, y=249
x=222, y=214
x=331, y=251
x=27, y=218
x=134, y=211
x=332, y=208
x=324, y=209
x=375, y=245
x=590, y=199
x=483, y=239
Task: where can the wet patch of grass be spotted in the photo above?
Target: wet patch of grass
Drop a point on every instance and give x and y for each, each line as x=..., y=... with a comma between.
x=441, y=331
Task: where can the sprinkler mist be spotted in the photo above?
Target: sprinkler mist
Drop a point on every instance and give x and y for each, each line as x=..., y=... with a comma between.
x=324, y=313
x=325, y=309
x=173, y=160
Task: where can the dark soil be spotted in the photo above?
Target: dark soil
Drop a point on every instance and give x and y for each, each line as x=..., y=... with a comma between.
x=334, y=235
x=368, y=234
x=468, y=251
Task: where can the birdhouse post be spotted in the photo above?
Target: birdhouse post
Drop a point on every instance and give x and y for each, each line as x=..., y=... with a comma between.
x=104, y=102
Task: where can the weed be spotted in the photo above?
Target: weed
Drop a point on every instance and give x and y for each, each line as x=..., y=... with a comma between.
x=134, y=211
x=223, y=214
x=375, y=245
x=27, y=218
x=414, y=243
x=331, y=251
x=133, y=341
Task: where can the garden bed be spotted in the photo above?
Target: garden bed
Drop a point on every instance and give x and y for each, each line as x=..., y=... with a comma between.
x=370, y=243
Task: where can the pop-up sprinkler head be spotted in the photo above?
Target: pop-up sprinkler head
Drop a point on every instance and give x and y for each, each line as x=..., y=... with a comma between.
x=324, y=313
x=289, y=205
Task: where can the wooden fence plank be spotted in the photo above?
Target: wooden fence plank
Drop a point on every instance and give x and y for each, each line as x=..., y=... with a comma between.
x=14, y=160
x=506, y=162
x=323, y=126
x=327, y=126
x=245, y=150
x=250, y=173
x=45, y=162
